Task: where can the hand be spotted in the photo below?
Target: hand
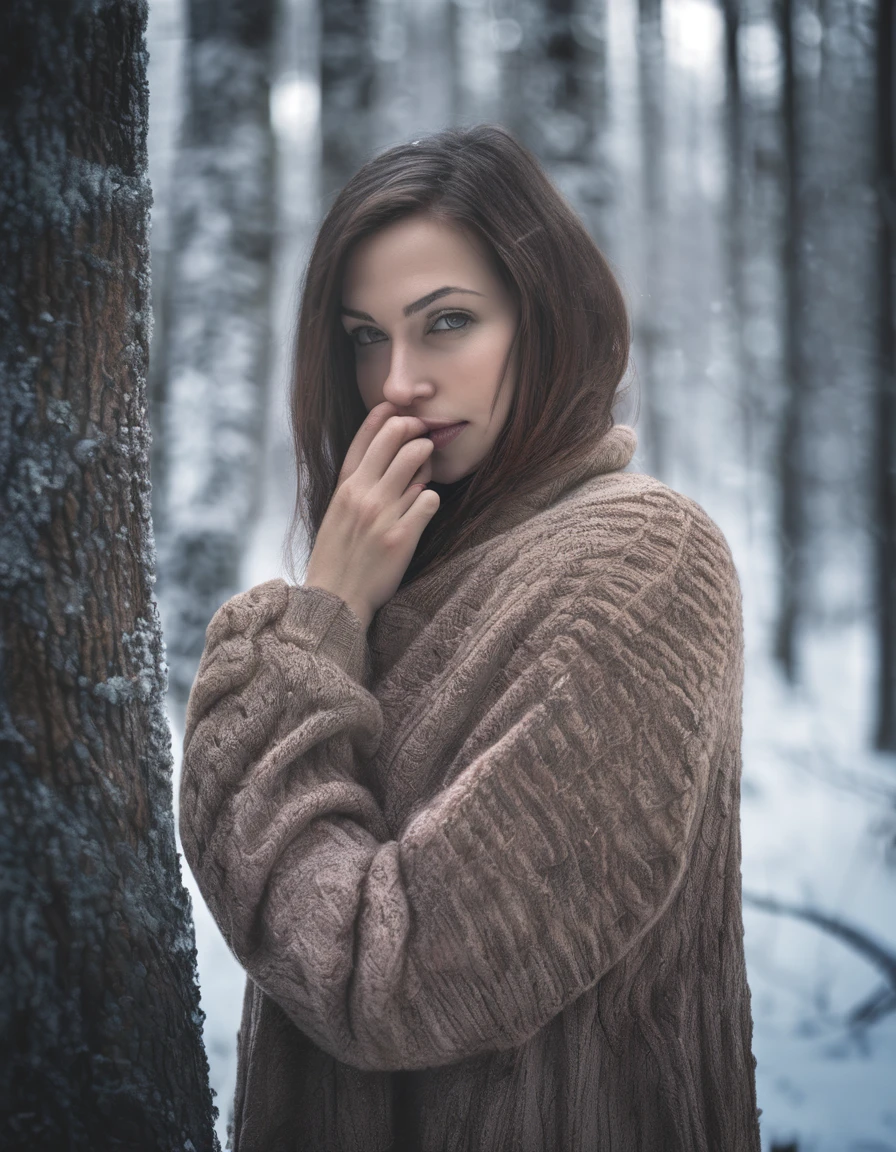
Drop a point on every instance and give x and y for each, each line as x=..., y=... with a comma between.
x=378, y=512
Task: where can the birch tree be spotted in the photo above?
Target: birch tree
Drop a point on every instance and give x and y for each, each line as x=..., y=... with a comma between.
x=99, y=1007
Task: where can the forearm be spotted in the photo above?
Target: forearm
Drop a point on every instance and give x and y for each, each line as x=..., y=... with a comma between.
x=279, y=702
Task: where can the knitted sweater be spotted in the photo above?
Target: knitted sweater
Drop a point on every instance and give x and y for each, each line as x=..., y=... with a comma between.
x=481, y=862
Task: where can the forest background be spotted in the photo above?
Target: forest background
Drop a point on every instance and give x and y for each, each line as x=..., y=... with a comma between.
x=735, y=161
x=725, y=158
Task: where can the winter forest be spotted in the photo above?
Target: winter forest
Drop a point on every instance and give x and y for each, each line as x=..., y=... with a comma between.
x=734, y=159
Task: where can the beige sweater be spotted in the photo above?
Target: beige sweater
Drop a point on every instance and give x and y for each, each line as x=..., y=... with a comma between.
x=492, y=842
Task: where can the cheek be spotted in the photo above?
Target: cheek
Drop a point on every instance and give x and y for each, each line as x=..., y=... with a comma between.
x=485, y=356
x=368, y=378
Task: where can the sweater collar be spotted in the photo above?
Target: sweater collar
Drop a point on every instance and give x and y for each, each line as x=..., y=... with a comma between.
x=611, y=453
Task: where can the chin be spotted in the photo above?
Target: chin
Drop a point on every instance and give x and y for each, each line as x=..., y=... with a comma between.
x=460, y=475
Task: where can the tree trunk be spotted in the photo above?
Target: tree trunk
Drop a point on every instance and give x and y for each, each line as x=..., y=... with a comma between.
x=736, y=206
x=552, y=72
x=598, y=187
x=475, y=64
x=99, y=1006
x=650, y=11
x=791, y=522
x=217, y=316
x=650, y=319
x=885, y=443
x=564, y=126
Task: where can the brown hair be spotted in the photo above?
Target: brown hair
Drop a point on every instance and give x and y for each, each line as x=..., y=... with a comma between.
x=573, y=337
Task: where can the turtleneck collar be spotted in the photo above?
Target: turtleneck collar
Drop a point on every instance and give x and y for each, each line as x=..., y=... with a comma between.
x=453, y=490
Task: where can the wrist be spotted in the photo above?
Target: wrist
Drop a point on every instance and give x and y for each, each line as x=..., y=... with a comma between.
x=362, y=611
x=358, y=607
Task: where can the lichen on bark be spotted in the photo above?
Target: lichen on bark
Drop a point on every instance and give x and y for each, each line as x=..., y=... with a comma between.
x=99, y=1001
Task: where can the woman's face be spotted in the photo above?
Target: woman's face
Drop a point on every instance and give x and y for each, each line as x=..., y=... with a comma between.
x=432, y=326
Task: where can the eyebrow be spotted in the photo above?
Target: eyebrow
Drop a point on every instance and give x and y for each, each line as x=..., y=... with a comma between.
x=410, y=309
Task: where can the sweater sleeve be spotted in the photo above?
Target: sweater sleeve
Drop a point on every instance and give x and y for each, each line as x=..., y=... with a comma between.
x=551, y=853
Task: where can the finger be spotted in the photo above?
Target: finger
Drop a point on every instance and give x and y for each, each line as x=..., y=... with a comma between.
x=423, y=505
x=423, y=475
x=411, y=506
x=397, y=443
x=364, y=437
x=411, y=464
x=412, y=489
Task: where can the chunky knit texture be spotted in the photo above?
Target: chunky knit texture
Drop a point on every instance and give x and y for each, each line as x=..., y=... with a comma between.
x=481, y=863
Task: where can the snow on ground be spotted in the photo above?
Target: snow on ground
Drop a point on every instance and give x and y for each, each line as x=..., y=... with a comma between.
x=221, y=979
x=810, y=838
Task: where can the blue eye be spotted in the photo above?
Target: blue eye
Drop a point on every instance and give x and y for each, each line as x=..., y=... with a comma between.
x=356, y=335
x=364, y=336
x=449, y=317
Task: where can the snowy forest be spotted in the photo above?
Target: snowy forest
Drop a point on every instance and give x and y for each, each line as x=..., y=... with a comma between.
x=734, y=159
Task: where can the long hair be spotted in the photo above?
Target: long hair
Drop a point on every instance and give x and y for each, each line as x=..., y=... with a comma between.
x=573, y=337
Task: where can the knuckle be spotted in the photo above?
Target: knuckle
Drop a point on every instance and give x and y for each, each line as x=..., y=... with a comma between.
x=357, y=501
x=367, y=508
x=393, y=540
x=347, y=491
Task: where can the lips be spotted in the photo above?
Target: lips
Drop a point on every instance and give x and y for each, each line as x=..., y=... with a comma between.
x=444, y=435
x=440, y=425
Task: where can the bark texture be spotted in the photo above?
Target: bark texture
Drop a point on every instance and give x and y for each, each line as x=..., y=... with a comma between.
x=99, y=1006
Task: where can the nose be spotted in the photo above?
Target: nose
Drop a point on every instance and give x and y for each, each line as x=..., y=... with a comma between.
x=407, y=378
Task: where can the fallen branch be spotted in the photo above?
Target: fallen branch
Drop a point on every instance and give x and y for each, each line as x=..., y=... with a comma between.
x=883, y=1000
x=880, y=1003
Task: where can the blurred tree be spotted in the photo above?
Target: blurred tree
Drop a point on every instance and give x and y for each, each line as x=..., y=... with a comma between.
x=555, y=95
x=885, y=424
x=754, y=241
x=99, y=1007
x=217, y=317
x=736, y=210
x=572, y=114
x=346, y=78
x=791, y=465
x=548, y=48
x=597, y=188
x=419, y=74
x=651, y=318
x=565, y=120
x=473, y=62
x=733, y=94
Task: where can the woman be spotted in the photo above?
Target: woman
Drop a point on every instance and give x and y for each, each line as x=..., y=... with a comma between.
x=465, y=804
